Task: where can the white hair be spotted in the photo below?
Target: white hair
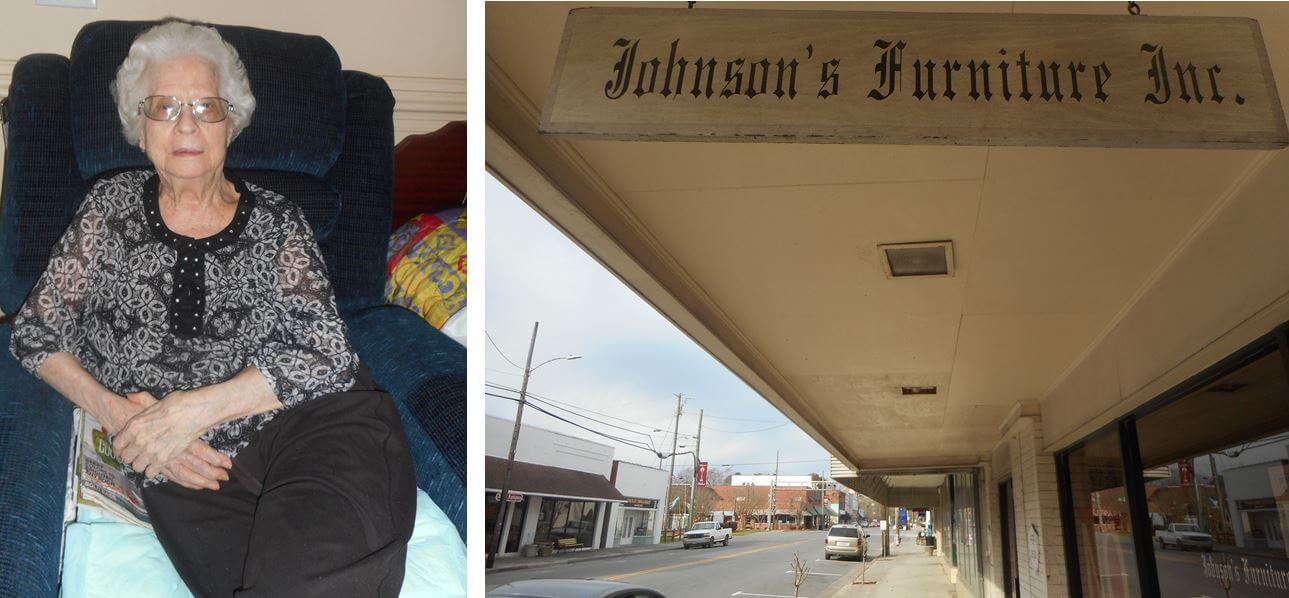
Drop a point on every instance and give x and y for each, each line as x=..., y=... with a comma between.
x=178, y=39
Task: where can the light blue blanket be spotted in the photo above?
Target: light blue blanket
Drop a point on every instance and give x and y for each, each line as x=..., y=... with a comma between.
x=107, y=559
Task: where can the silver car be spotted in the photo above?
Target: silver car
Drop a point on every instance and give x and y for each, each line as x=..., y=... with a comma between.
x=845, y=540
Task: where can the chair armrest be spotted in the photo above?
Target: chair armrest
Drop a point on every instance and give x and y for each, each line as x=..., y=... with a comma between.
x=425, y=372
x=35, y=435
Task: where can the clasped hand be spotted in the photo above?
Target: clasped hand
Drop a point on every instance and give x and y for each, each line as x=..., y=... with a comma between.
x=162, y=437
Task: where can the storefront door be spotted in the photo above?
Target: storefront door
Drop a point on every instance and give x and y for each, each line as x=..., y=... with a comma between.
x=1007, y=514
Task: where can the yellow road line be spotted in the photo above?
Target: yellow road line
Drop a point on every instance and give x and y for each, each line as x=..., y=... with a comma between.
x=704, y=561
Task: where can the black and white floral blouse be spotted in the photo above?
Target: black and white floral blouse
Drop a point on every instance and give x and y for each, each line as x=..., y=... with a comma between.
x=144, y=308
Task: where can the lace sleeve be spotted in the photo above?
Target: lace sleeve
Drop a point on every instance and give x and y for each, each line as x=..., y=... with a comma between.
x=49, y=321
x=309, y=354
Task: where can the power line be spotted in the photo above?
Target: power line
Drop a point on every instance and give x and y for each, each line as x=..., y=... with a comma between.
x=587, y=417
x=748, y=431
x=501, y=373
x=499, y=351
x=572, y=406
x=741, y=419
x=630, y=443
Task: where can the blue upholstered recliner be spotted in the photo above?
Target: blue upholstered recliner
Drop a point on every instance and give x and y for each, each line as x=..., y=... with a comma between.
x=323, y=137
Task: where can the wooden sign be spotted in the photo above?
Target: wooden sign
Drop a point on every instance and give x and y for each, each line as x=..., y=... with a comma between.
x=905, y=78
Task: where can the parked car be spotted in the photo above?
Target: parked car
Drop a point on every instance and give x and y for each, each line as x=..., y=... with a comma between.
x=706, y=533
x=845, y=540
x=1183, y=536
x=572, y=588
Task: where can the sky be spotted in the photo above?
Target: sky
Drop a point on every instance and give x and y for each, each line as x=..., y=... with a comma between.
x=633, y=362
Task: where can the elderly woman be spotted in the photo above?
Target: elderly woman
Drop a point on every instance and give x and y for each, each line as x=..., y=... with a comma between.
x=191, y=313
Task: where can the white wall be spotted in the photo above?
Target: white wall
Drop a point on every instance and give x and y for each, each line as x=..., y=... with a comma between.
x=639, y=481
x=418, y=46
x=544, y=447
x=1225, y=285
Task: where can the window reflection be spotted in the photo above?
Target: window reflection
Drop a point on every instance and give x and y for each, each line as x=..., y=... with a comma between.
x=1216, y=464
x=560, y=519
x=1102, y=524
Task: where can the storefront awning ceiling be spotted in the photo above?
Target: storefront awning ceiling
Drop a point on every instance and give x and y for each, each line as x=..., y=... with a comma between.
x=531, y=478
x=767, y=254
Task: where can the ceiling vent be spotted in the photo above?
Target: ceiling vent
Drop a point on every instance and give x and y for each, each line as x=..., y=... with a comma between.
x=917, y=390
x=926, y=259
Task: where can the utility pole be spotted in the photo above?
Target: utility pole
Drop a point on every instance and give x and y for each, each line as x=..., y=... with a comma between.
x=693, y=480
x=675, y=435
x=510, y=457
x=774, y=486
x=1199, y=505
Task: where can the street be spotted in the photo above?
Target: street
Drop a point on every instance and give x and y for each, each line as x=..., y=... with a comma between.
x=758, y=564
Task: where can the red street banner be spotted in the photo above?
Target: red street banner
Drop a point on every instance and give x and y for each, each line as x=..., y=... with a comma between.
x=1185, y=473
x=702, y=473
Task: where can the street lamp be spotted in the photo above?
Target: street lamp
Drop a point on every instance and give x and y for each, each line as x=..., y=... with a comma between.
x=495, y=544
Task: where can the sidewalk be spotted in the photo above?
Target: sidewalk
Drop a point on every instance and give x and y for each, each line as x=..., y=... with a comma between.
x=909, y=571
x=561, y=558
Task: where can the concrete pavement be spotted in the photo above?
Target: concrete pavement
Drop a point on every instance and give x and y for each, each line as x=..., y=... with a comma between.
x=908, y=571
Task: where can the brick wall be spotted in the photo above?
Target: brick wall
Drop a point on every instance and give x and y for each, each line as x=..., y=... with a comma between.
x=1038, y=512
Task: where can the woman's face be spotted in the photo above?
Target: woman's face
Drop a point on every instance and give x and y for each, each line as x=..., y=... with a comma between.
x=185, y=148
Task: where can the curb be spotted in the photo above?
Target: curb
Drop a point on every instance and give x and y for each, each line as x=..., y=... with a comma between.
x=595, y=555
x=837, y=588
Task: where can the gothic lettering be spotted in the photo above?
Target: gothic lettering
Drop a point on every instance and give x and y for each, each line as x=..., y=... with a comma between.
x=929, y=93
x=615, y=88
x=829, y=76
x=672, y=65
x=736, y=78
x=887, y=69
x=1102, y=73
x=984, y=70
x=1158, y=74
x=699, y=67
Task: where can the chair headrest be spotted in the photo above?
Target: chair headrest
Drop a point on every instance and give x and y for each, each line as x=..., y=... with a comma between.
x=299, y=120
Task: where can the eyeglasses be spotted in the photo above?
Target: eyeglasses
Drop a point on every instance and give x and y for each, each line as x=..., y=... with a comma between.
x=165, y=108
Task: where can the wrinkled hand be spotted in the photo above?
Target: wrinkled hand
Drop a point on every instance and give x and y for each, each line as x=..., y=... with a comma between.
x=162, y=438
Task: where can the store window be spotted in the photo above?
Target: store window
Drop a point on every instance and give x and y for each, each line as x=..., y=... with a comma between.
x=1102, y=523
x=1215, y=464
x=559, y=519
x=966, y=536
x=635, y=526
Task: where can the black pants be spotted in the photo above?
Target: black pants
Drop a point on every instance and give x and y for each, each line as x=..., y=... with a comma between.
x=320, y=503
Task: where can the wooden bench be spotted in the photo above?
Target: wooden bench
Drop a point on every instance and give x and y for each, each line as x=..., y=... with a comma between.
x=567, y=543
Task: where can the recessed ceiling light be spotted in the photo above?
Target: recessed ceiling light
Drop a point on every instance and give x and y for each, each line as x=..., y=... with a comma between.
x=923, y=259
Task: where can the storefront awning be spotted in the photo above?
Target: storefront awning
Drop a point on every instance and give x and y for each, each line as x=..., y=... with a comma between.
x=530, y=478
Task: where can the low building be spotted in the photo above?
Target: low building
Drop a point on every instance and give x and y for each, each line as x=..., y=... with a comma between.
x=754, y=507
x=637, y=520
x=563, y=487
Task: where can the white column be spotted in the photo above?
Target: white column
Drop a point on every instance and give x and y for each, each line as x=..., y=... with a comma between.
x=600, y=509
x=1039, y=541
x=527, y=535
x=508, y=512
x=615, y=515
